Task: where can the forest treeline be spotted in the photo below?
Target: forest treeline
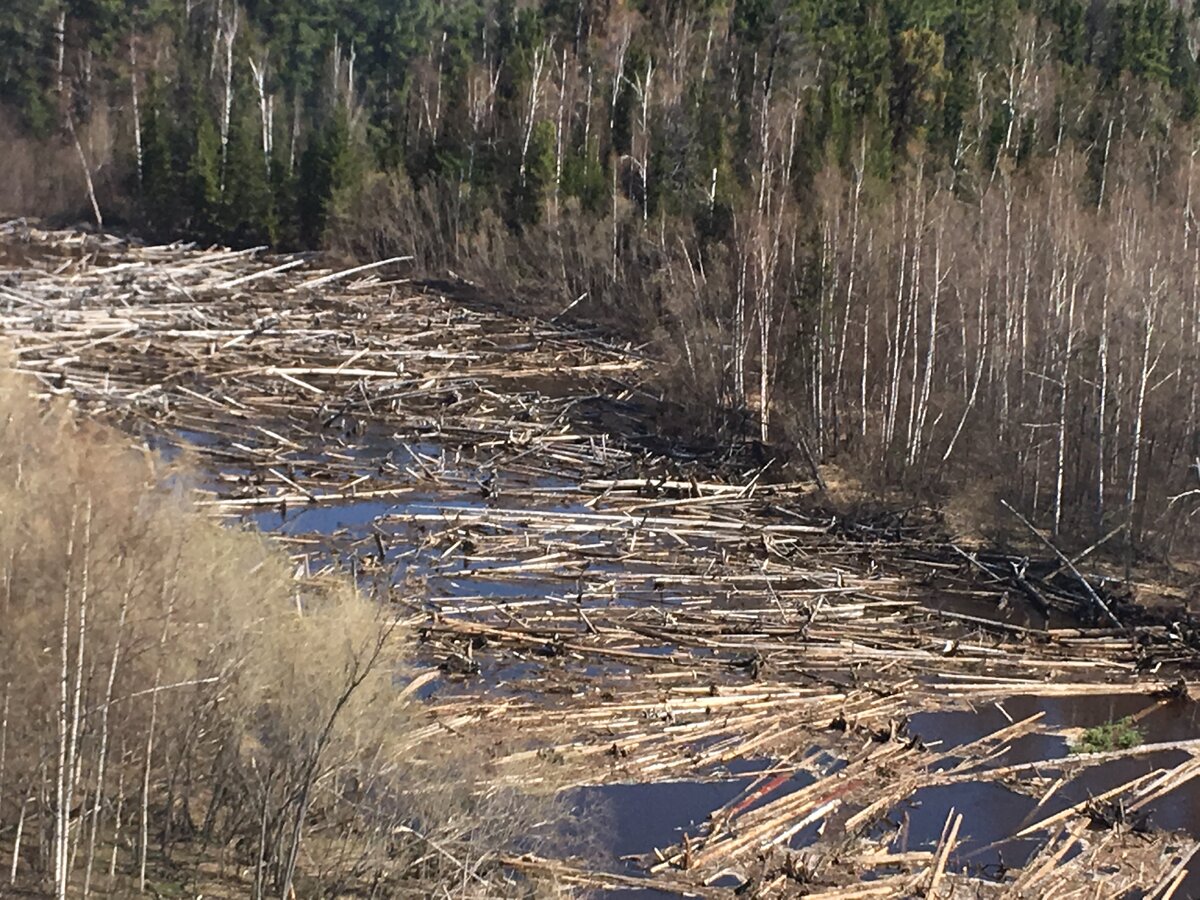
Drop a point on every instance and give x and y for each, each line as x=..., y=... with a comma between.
x=949, y=243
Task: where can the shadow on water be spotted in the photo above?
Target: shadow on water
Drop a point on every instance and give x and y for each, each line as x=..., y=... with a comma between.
x=640, y=817
x=626, y=822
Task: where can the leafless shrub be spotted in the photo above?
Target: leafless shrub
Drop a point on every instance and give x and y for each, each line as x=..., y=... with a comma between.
x=174, y=701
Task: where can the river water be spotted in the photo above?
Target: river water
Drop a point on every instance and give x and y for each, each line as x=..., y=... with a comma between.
x=469, y=467
x=630, y=820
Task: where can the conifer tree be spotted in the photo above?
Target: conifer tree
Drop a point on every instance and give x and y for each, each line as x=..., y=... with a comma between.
x=1185, y=74
x=248, y=213
x=202, y=180
x=530, y=197
x=331, y=169
x=160, y=186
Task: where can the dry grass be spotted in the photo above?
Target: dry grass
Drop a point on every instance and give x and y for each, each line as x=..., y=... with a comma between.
x=162, y=674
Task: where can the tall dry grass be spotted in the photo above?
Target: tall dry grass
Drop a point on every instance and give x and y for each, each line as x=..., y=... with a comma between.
x=178, y=709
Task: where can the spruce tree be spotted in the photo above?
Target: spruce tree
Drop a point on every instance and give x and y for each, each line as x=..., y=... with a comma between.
x=160, y=202
x=247, y=214
x=1185, y=74
x=202, y=181
x=331, y=171
x=530, y=197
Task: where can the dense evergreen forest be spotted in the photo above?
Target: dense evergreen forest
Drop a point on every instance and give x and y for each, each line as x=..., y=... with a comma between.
x=948, y=243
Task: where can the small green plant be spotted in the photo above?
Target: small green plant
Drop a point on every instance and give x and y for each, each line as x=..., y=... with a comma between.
x=1119, y=735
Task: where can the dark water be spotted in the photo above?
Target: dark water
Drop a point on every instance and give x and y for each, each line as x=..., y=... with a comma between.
x=642, y=817
x=993, y=812
x=631, y=820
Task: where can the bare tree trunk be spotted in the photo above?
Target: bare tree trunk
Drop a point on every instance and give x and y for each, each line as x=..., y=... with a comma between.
x=766, y=237
x=118, y=816
x=82, y=788
x=44, y=807
x=60, y=805
x=1135, y=457
x=1102, y=406
x=558, y=137
x=434, y=116
x=87, y=173
x=912, y=324
x=644, y=95
x=295, y=132
x=764, y=363
x=4, y=737
x=1104, y=165
x=1013, y=315
x=60, y=56
x=866, y=351
x=587, y=116
x=16, y=856
x=1019, y=63
x=259, y=73
x=229, y=30
x=979, y=366
x=613, y=277
x=539, y=63
x=917, y=442
x=73, y=755
x=144, y=840
x=818, y=379
x=103, y=752
x=335, y=75
x=137, y=110
x=858, y=175
x=144, y=833
x=739, y=336
x=896, y=344
x=216, y=41
x=1063, y=406
x=618, y=78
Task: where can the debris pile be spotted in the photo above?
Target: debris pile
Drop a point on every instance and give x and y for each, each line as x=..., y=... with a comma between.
x=633, y=614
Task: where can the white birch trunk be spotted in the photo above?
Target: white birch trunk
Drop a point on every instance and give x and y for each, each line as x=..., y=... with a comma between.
x=60, y=805
x=258, y=72
x=539, y=63
x=73, y=755
x=103, y=751
x=229, y=33
x=137, y=109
